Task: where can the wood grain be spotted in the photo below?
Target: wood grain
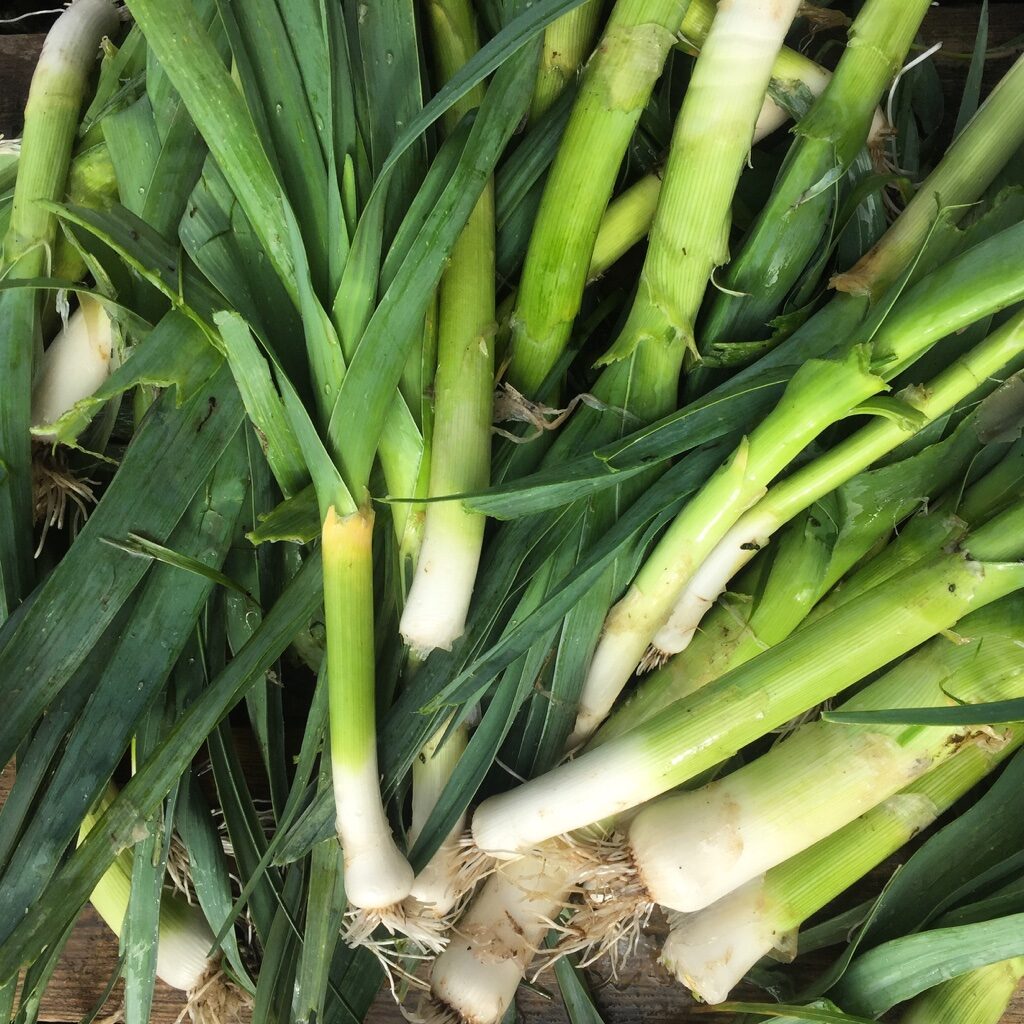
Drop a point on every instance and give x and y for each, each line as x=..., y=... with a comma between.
x=645, y=994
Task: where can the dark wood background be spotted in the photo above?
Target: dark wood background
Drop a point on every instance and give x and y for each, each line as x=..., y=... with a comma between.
x=645, y=994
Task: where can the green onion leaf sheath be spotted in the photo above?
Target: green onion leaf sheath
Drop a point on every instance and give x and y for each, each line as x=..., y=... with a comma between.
x=615, y=87
x=788, y=229
x=55, y=98
x=435, y=612
x=807, y=668
x=377, y=875
x=763, y=917
x=567, y=44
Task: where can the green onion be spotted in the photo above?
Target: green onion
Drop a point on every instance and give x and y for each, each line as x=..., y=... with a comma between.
x=787, y=230
x=377, y=875
x=809, y=667
x=435, y=611
x=762, y=918
x=59, y=87
x=755, y=529
x=185, y=942
x=684, y=852
x=708, y=541
x=614, y=90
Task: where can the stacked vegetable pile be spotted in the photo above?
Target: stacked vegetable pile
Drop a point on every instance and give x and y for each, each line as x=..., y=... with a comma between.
x=593, y=495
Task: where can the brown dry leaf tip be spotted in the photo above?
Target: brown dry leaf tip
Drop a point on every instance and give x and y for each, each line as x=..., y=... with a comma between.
x=512, y=406
x=217, y=1000
x=821, y=19
x=54, y=488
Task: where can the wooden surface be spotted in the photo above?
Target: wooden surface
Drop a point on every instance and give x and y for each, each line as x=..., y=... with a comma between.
x=646, y=994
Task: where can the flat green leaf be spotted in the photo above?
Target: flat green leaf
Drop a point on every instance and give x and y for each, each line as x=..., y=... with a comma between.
x=705, y=420
x=170, y=456
x=154, y=633
x=579, y=1004
x=375, y=369
x=296, y=520
x=137, y=545
x=827, y=1013
x=972, y=85
x=141, y=928
x=115, y=830
x=273, y=84
x=189, y=56
x=902, y=968
x=996, y=712
x=263, y=403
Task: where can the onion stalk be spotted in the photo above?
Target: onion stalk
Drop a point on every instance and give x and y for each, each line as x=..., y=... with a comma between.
x=567, y=42
x=712, y=950
x=756, y=528
x=185, y=941
x=788, y=228
x=615, y=87
x=686, y=851
x=435, y=611
x=808, y=668
x=659, y=610
x=377, y=875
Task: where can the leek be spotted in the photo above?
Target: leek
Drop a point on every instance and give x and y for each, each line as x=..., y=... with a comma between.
x=684, y=852
x=762, y=918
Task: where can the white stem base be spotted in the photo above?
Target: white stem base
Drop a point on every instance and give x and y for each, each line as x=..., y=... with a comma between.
x=710, y=581
x=442, y=586
x=476, y=977
x=694, y=848
x=377, y=875
x=710, y=952
x=74, y=365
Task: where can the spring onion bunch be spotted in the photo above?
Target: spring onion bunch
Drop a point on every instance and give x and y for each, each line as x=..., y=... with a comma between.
x=582, y=492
